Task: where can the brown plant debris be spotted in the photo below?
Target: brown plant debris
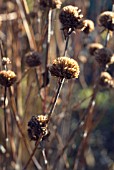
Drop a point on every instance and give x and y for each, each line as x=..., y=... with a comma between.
x=106, y=19
x=38, y=125
x=106, y=80
x=33, y=59
x=65, y=67
x=7, y=78
x=71, y=17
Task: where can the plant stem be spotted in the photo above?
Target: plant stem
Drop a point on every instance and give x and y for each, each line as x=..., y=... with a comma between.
x=61, y=82
x=107, y=39
x=5, y=119
x=33, y=152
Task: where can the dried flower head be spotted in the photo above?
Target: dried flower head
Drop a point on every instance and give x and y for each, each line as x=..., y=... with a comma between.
x=106, y=19
x=106, y=80
x=71, y=17
x=51, y=3
x=33, y=59
x=88, y=26
x=104, y=56
x=5, y=61
x=93, y=47
x=38, y=125
x=7, y=78
x=65, y=67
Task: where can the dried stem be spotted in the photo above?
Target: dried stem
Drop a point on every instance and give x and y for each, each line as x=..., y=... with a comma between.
x=5, y=118
x=107, y=38
x=61, y=82
x=33, y=152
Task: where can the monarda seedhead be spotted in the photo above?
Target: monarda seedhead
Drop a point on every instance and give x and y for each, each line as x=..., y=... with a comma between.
x=106, y=80
x=7, y=78
x=88, y=26
x=106, y=19
x=33, y=59
x=65, y=67
x=51, y=3
x=71, y=17
x=38, y=126
x=104, y=56
x=93, y=47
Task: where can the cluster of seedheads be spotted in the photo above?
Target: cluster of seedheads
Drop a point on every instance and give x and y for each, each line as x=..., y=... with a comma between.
x=64, y=67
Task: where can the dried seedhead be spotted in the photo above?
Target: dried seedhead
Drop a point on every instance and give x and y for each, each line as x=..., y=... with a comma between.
x=93, y=47
x=106, y=80
x=65, y=67
x=7, y=78
x=104, y=56
x=38, y=125
x=88, y=26
x=71, y=17
x=33, y=59
x=51, y=3
x=106, y=19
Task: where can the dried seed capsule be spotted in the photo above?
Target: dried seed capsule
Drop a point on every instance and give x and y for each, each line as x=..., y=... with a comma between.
x=65, y=67
x=88, y=26
x=71, y=17
x=51, y=3
x=104, y=56
x=93, y=47
x=7, y=78
x=38, y=125
x=106, y=80
x=106, y=19
x=33, y=59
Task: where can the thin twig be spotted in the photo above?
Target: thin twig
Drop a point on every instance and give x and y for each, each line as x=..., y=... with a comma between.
x=33, y=152
x=61, y=82
x=5, y=118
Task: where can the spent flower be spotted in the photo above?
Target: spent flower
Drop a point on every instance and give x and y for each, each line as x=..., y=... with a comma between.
x=65, y=67
x=7, y=78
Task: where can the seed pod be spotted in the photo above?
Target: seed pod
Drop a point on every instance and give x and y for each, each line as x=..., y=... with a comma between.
x=33, y=59
x=88, y=26
x=106, y=80
x=71, y=17
x=38, y=125
x=106, y=19
x=93, y=47
x=65, y=67
x=104, y=56
x=7, y=78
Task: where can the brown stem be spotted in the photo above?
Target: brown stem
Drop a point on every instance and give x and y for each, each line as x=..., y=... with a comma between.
x=33, y=152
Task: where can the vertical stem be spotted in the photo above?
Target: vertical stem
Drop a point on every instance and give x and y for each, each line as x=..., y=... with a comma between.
x=47, y=50
x=66, y=45
x=5, y=118
x=56, y=97
x=107, y=39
